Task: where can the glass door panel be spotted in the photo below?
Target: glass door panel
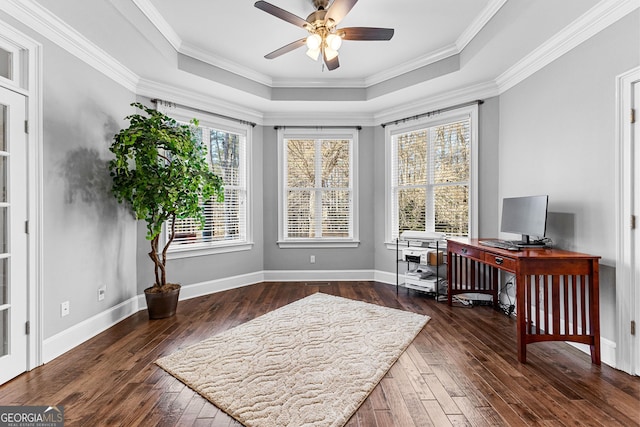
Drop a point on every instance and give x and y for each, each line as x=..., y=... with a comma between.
x=6, y=59
x=13, y=239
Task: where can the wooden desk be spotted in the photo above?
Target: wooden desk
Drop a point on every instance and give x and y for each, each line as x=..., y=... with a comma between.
x=557, y=291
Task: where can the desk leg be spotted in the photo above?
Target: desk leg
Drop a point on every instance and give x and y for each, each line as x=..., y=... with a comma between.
x=594, y=311
x=521, y=318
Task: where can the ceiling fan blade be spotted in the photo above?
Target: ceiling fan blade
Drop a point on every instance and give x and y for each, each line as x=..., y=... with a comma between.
x=339, y=9
x=332, y=64
x=281, y=13
x=366, y=33
x=286, y=48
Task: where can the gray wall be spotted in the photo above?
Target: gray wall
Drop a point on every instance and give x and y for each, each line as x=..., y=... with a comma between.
x=326, y=259
x=557, y=132
x=89, y=240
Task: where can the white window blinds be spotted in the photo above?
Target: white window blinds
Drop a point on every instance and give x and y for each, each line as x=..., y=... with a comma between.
x=430, y=178
x=226, y=223
x=317, y=187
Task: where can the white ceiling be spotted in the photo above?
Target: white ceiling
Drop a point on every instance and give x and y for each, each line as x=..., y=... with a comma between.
x=215, y=50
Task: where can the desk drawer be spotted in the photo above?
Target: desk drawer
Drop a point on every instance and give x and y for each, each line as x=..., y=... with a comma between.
x=500, y=261
x=467, y=251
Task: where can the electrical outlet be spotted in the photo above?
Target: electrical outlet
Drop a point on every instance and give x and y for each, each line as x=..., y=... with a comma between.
x=101, y=292
x=312, y=259
x=64, y=309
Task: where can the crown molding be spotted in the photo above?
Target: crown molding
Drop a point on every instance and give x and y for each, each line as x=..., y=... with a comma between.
x=198, y=100
x=478, y=24
x=156, y=18
x=53, y=28
x=483, y=90
x=589, y=24
x=305, y=118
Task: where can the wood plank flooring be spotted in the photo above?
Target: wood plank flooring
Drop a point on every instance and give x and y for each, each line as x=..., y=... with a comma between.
x=461, y=370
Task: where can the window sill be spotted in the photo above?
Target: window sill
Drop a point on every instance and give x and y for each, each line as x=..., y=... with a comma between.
x=189, y=252
x=324, y=243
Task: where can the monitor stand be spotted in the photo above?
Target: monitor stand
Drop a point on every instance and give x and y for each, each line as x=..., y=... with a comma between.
x=527, y=243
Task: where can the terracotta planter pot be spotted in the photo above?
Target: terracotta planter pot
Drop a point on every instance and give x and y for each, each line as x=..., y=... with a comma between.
x=161, y=305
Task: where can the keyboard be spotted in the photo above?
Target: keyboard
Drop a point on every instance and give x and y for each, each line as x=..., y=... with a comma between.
x=501, y=244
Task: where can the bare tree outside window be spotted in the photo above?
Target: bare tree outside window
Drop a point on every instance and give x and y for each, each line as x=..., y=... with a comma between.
x=431, y=175
x=224, y=221
x=318, y=186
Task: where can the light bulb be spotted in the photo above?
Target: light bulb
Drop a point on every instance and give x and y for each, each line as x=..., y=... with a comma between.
x=334, y=41
x=330, y=53
x=313, y=54
x=314, y=41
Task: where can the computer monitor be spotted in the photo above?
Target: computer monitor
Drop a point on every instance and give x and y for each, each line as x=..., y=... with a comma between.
x=526, y=216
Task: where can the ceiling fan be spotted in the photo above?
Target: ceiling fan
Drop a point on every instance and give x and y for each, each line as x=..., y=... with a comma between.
x=324, y=36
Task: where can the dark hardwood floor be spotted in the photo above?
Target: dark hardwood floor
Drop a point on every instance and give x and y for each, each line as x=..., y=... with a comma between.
x=461, y=369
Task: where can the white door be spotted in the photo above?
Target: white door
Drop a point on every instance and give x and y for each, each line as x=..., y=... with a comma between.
x=635, y=236
x=13, y=237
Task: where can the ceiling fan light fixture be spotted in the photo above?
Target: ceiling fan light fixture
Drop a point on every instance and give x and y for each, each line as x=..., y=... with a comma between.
x=313, y=42
x=330, y=53
x=313, y=54
x=334, y=42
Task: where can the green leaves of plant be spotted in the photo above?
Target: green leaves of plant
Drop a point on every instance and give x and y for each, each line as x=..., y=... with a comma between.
x=161, y=170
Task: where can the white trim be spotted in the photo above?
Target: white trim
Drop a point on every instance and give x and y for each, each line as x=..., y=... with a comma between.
x=625, y=286
x=185, y=251
x=211, y=287
x=438, y=101
x=77, y=334
x=80, y=332
x=317, y=134
x=199, y=100
x=36, y=17
x=30, y=81
x=470, y=112
x=320, y=243
x=158, y=21
x=318, y=275
x=607, y=347
x=589, y=24
x=184, y=114
x=328, y=119
x=478, y=24
x=607, y=351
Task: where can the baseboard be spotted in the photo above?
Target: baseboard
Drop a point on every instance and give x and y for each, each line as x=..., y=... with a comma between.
x=69, y=338
x=212, y=286
x=385, y=277
x=66, y=340
x=607, y=351
x=318, y=275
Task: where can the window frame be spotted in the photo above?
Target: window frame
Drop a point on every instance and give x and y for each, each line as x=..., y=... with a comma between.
x=184, y=115
x=285, y=134
x=470, y=113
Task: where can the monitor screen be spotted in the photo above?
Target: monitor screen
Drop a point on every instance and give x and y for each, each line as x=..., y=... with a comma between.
x=525, y=215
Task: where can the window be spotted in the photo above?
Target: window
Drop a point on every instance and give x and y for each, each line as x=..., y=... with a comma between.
x=431, y=175
x=226, y=223
x=317, y=176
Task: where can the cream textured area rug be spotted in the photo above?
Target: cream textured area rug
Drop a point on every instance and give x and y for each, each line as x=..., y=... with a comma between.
x=310, y=363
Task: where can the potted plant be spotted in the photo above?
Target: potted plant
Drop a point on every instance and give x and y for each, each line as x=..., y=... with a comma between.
x=161, y=171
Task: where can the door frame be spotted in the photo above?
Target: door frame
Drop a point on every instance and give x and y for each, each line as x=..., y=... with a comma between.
x=627, y=292
x=29, y=82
